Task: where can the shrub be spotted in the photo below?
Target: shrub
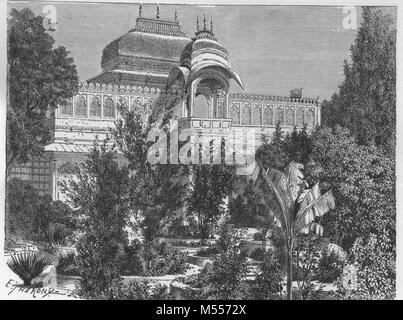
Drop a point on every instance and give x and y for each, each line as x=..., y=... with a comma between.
x=268, y=283
x=329, y=268
x=207, y=252
x=172, y=263
x=67, y=265
x=27, y=266
x=134, y=291
x=257, y=254
x=258, y=236
x=130, y=262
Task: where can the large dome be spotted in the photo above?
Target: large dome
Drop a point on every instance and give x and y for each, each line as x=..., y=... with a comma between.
x=151, y=49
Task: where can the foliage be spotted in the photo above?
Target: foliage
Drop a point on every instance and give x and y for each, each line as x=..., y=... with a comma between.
x=40, y=78
x=245, y=210
x=209, y=187
x=130, y=263
x=179, y=228
x=155, y=191
x=258, y=236
x=375, y=267
x=363, y=181
x=172, y=263
x=293, y=206
x=224, y=278
x=35, y=217
x=67, y=265
x=27, y=265
x=329, y=268
x=257, y=254
x=134, y=291
x=207, y=252
x=282, y=150
x=268, y=283
x=99, y=195
x=366, y=101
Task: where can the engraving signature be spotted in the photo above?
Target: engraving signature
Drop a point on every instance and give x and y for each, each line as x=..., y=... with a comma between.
x=44, y=292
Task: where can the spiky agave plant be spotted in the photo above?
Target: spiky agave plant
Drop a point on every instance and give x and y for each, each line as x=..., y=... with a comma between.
x=27, y=265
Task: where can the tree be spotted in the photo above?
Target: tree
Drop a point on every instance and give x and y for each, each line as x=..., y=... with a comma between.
x=363, y=181
x=366, y=101
x=100, y=196
x=40, y=78
x=35, y=217
x=294, y=207
x=156, y=192
x=210, y=187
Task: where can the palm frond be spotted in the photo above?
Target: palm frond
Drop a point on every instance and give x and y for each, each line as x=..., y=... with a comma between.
x=27, y=265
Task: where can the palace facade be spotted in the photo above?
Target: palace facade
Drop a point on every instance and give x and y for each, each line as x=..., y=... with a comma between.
x=156, y=60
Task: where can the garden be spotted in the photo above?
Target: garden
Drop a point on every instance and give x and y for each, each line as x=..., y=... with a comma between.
x=315, y=221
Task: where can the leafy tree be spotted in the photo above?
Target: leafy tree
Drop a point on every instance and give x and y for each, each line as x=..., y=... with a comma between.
x=273, y=154
x=210, y=186
x=293, y=206
x=100, y=197
x=268, y=283
x=156, y=192
x=366, y=101
x=363, y=181
x=35, y=217
x=224, y=279
x=40, y=77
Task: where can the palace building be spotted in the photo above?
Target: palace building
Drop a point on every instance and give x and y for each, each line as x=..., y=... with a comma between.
x=155, y=60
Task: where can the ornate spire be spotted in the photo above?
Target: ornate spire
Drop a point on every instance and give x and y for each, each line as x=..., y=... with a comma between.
x=176, y=15
x=211, y=25
x=158, y=11
x=140, y=10
x=204, y=22
x=197, y=24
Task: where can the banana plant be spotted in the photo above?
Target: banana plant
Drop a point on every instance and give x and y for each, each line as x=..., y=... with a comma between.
x=292, y=204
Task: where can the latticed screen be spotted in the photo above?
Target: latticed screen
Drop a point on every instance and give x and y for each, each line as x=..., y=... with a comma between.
x=37, y=173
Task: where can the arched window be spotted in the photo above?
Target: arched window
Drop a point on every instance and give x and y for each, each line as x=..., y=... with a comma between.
x=300, y=116
x=235, y=115
x=95, y=107
x=289, y=116
x=280, y=115
x=257, y=116
x=109, y=108
x=268, y=116
x=66, y=108
x=220, y=109
x=310, y=117
x=81, y=107
x=246, y=115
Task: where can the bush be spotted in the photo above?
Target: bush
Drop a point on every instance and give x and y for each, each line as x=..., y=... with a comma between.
x=27, y=266
x=258, y=236
x=179, y=229
x=134, y=291
x=329, y=268
x=174, y=262
x=67, y=265
x=268, y=284
x=257, y=254
x=207, y=252
x=130, y=262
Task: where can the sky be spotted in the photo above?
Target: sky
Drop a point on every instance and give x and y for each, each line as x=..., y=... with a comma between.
x=274, y=48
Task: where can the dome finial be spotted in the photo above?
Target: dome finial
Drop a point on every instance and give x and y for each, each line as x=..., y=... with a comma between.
x=211, y=25
x=197, y=24
x=204, y=22
x=176, y=15
x=140, y=10
x=158, y=11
